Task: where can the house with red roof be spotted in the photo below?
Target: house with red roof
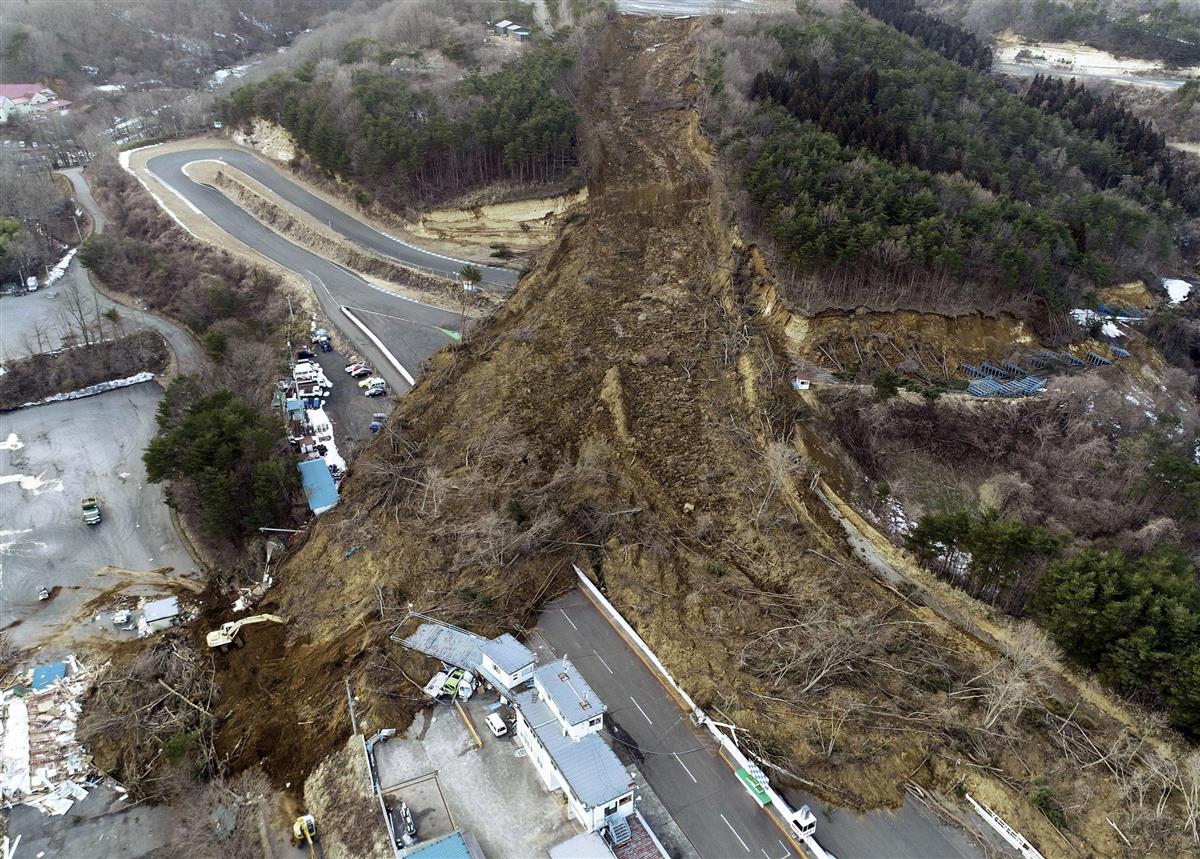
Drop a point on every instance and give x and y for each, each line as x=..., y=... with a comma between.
x=28, y=98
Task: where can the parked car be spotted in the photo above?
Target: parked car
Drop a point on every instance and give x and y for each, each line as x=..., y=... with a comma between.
x=354, y=365
x=376, y=390
x=303, y=354
x=451, y=686
x=369, y=381
x=362, y=372
x=496, y=724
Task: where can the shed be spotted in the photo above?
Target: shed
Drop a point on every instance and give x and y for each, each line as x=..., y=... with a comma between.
x=295, y=409
x=158, y=615
x=501, y=27
x=45, y=675
x=319, y=488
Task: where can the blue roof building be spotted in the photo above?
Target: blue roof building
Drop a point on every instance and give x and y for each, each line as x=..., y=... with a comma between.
x=45, y=675
x=319, y=488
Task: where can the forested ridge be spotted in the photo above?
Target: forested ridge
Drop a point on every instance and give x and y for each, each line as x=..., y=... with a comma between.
x=1111, y=121
x=949, y=40
x=888, y=156
x=517, y=123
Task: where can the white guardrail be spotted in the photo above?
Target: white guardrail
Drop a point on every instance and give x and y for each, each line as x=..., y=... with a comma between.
x=1016, y=839
x=698, y=716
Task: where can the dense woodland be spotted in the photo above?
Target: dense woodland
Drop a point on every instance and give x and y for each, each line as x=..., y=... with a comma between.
x=949, y=40
x=892, y=157
x=406, y=144
x=1109, y=120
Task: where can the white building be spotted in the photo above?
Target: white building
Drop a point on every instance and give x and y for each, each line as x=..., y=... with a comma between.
x=20, y=99
x=507, y=660
x=158, y=615
x=558, y=724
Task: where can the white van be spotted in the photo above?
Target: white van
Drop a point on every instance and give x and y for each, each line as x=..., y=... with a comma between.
x=496, y=724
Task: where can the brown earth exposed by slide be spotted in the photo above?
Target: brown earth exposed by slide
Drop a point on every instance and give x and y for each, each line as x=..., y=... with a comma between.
x=629, y=410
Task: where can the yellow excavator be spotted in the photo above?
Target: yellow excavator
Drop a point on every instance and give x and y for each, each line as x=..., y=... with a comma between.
x=229, y=633
x=304, y=831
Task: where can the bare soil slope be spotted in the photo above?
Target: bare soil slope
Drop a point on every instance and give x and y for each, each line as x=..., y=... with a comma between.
x=628, y=410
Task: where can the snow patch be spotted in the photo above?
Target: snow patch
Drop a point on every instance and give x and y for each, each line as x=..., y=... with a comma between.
x=35, y=484
x=92, y=390
x=1111, y=330
x=1178, y=290
x=13, y=442
x=60, y=268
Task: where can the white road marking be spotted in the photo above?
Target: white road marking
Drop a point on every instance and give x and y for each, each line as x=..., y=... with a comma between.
x=734, y=831
x=786, y=851
x=568, y=617
x=688, y=771
x=379, y=345
x=640, y=710
x=602, y=662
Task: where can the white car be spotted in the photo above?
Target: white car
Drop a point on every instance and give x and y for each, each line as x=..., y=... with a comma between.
x=496, y=724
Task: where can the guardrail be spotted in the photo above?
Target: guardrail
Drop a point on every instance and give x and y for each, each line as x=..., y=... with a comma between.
x=699, y=718
x=1016, y=839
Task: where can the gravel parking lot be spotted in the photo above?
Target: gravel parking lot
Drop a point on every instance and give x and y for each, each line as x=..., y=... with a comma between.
x=51, y=456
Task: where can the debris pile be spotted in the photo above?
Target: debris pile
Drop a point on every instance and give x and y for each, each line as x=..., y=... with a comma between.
x=42, y=762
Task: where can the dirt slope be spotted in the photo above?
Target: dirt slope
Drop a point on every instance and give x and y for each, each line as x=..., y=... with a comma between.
x=628, y=410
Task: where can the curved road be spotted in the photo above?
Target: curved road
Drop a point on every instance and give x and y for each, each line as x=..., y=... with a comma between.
x=189, y=354
x=168, y=168
x=409, y=330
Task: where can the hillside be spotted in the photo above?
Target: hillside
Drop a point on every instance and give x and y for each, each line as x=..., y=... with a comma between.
x=629, y=410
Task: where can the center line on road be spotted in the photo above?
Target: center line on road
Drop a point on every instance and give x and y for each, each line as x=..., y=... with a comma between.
x=640, y=710
x=568, y=617
x=688, y=771
x=602, y=662
x=734, y=831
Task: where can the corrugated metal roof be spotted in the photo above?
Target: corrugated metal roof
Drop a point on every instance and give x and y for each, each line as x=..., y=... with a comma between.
x=162, y=609
x=508, y=653
x=450, y=644
x=319, y=488
x=590, y=767
x=453, y=846
x=571, y=694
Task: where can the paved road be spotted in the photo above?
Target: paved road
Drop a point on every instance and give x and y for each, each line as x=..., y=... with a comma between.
x=169, y=168
x=698, y=787
x=20, y=315
x=1028, y=70
x=50, y=457
x=411, y=331
x=103, y=826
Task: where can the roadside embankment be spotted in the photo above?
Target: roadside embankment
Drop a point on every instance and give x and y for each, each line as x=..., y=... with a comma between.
x=302, y=229
x=33, y=379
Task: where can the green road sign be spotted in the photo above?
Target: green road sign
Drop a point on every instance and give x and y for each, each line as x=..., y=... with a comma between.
x=752, y=784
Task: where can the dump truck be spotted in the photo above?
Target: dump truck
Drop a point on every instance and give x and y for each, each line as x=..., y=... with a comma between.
x=91, y=511
x=230, y=632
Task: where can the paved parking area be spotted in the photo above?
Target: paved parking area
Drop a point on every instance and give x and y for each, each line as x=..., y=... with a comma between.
x=51, y=456
x=102, y=826
x=489, y=791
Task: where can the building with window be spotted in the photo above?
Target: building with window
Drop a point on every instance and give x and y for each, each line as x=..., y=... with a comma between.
x=558, y=723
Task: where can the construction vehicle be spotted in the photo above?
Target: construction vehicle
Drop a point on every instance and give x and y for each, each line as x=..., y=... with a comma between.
x=304, y=831
x=91, y=511
x=229, y=632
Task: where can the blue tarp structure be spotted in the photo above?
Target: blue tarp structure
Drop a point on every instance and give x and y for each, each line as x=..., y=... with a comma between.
x=295, y=409
x=44, y=675
x=319, y=488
